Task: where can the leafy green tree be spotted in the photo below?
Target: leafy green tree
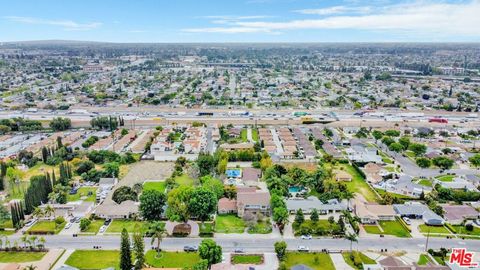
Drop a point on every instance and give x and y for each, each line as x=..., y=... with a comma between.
x=280, y=249
x=200, y=265
x=178, y=201
x=124, y=193
x=151, y=204
x=60, y=124
x=395, y=147
x=405, y=142
x=475, y=160
x=443, y=162
x=377, y=134
x=84, y=224
x=423, y=162
x=203, y=203
x=125, y=252
x=299, y=217
x=280, y=216
x=112, y=169
x=392, y=133
x=210, y=251
x=213, y=184
x=418, y=149
x=314, y=215
x=387, y=140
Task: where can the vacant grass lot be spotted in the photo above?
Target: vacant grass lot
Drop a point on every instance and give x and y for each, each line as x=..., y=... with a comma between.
x=423, y=228
x=363, y=258
x=94, y=259
x=20, y=256
x=229, y=224
x=389, y=228
x=358, y=183
x=83, y=192
x=462, y=230
x=117, y=226
x=182, y=260
x=46, y=226
x=317, y=261
x=247, y=259
x=155, y=185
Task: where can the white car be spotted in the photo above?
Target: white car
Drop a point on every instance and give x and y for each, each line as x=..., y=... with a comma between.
x=68, y=225
x=407, y=221
x=303, y=249
x=306, y=237
x=30, y=222
x=102, y=229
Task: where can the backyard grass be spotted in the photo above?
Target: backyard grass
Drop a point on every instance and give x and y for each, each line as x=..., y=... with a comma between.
x=243, y=135
x=423, y=259
x=117, y=226
x=94, y=259
x=20, y=256
x=83, y=192
x=46, y=226
x=423, y=228
x=229, y=224
x=363, y=258
x=185, y=180
x=462, y=230
x=247, y=259
x=317, y=261
x=155, y=185
x=358, y=184
x=255, y=134
x=445, y=178
x=261, y=227
x=94, y=226
x=381, y=192
x=180, y=260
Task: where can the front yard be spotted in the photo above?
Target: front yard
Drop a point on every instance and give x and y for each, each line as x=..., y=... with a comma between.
x=20, y=256
x=87, y=193
x=229, y=224
x=46, y=227
x=318, y=228
x=261, y=227
x=117, y=226
x=423, y=228
x=358, y=259
x=317, y=261
x=94, y=226
x=461, y=230
x=94, y=259
x=394, y=228
x=182, y=260
x=247, y=259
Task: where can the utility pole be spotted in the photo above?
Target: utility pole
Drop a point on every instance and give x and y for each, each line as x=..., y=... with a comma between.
x=428, y=237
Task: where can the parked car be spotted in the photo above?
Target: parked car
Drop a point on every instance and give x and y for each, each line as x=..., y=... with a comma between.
x=407, y=220
x=239, y=250
x=190, y=248
x=303, y=249
x=102, y=229
x=68, y=225
x=30, y=222
x=306, y=237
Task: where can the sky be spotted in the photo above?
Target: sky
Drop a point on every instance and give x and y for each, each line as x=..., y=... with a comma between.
x=241, y=20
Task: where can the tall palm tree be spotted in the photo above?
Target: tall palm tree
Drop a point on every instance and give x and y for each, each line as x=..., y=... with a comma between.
x=49, y=210
x=158, y=232
x=30, y=267
x=352, y=238
x=24, y=240
x=42, y=242
x=33, y=240
x=38, y=212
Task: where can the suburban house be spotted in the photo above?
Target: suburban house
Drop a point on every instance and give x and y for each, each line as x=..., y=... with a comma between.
x=253, y=202
x=227, y=206
x=372, y=213
x=251, y=176
x=342, y=176
x=362, y=154
x=418, y=210
x=456, y=214
x=236, y=146
x=307, y=205
x=117, y=211
x=72, y=209
x=373, y=172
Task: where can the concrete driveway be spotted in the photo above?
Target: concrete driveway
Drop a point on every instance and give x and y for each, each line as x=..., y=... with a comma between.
x=339, y=262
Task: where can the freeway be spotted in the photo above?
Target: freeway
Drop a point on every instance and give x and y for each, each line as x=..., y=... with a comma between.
x=259, y=244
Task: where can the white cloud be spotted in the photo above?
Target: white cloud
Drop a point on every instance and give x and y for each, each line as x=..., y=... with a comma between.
x=334, y=10
x=66, y=24
x=420, y=18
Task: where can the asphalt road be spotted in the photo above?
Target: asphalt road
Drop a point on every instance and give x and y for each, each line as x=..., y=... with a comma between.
x=255, y=244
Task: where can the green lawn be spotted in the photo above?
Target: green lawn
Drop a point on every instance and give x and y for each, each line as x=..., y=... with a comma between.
x=373, y=229
x=255, y=134
x=94, y=226
x=358, y=183
x=462, y=230
x=385, y=158
x=94, y=259
x=229, y=224
x=247, y=259
x=425, y=182
x=155, y=185
x=381, y=192
x=319, y=228
x=83, y=192
x=423, y=259
x=362, y=258
x=20, y=256
x=206, y=229
x=172, y=259
x=117, y=226
x=185, y=180
x=46, y=226
x=423, y=228
x=317, y=261
x=7, y=224
x=262, y=227
x=445, y=178
x=394, y=228
x=389, y=228
x=243, y=135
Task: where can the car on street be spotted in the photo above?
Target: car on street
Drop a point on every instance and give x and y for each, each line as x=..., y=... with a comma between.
x=306, y=237
x=303, y=249
x=190, y=248
x=239, y=250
